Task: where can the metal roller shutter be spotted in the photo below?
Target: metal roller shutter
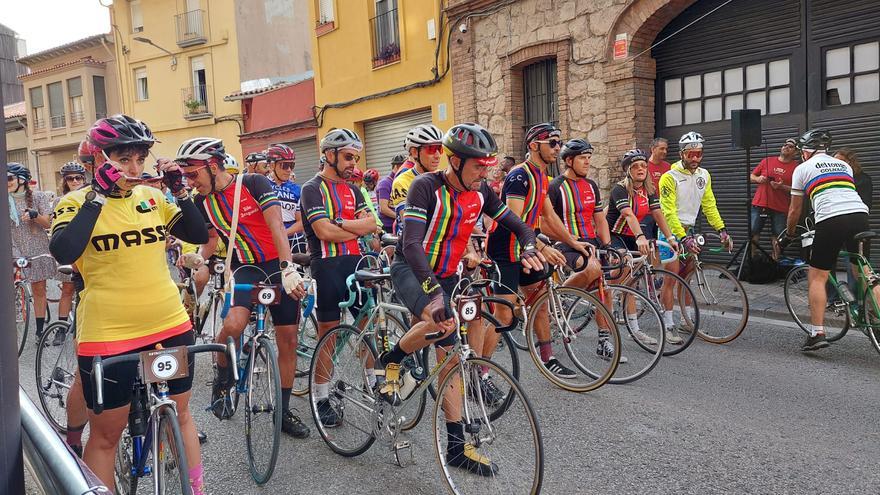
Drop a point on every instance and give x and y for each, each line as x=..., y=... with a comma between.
x=307, y=157
x=384, y=138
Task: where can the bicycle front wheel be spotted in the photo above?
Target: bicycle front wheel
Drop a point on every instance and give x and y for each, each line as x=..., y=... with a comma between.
x=263, y=410
x=643, y=341
x=507, y=451
x=871, y=313
x=123, y=481
x=55, y=368
x=171, y=468
x=306, y=341
x=569, y=355
x=722, y=303
x=797, y=299
x=23, y=305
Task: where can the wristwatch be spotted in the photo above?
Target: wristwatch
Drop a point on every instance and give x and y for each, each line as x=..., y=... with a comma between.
x=94, y=197
x=338, y=222
x=285, y=264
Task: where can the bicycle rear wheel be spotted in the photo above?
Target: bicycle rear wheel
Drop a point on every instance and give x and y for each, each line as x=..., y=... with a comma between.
x=341, y=366
x=263, y=410
x=209, y=323
x=171, y=468
x=55, y=368
x=871, y=313
x=306, y=341
x=797, y=299
x=24, y=303
x=511, y=443
x=124, y=482
x=722, y=302
x=645, y=336
x=684, y=301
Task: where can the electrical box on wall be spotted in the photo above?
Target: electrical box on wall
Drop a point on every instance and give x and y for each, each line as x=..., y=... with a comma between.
x=432, y=30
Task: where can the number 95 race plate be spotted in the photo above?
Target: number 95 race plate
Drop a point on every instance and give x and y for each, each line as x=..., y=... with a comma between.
x=162, y=365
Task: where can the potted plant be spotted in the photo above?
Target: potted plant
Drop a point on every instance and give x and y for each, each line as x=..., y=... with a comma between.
x=194, y=106
x=389, y=53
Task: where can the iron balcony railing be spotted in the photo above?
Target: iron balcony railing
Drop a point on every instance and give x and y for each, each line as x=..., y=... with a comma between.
x=385, y=38
x=196, y=101
x=192, y=28
x=58, y=121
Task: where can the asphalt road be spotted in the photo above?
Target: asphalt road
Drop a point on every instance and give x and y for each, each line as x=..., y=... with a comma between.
x=753, y=416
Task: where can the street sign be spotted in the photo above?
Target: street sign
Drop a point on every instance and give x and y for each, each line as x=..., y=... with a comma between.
x=621, y=47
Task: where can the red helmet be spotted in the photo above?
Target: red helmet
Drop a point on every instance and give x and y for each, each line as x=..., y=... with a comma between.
x=86, y=152
x=371, y=176
x=356, y=174
x=280, y=153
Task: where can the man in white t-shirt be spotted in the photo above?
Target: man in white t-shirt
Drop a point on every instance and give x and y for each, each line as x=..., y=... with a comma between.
x=840, y=214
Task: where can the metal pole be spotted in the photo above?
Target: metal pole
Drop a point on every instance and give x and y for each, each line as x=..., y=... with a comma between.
x=11, y=466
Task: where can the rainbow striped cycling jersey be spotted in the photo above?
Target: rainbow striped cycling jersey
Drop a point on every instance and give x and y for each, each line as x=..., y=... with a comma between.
x=529, y=184
x=829, y=184
x=576, y=201
x=324, y=199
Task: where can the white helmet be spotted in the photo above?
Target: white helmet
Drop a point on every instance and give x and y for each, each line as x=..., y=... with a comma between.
x=422, y=135
x=201, y=148
x=341, y=138
x=231, y=164
x=691, y=140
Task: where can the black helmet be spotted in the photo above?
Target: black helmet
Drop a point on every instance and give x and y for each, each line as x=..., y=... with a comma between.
x=469, y=140
x=575, y=147
x=540, y=132
x=398, y=159
x=120, y=130
x=72, y=168
x=814, y=139
x=256, y=157
x=632, y=156
x=18, y=170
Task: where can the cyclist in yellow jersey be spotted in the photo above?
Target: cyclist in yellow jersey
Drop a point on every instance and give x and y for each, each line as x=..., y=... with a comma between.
x=422, y=143
x=114, y=232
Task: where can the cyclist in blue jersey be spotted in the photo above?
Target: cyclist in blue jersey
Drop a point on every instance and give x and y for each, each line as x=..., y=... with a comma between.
x=282, y=161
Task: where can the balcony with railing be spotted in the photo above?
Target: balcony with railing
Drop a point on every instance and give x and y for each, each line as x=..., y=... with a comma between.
x=58, y=121
x=77, y=117
x=192, y=28
x=39, y=124
x=195, y=102
x=385, y=38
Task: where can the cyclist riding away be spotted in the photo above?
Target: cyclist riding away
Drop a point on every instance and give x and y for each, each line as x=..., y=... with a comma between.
x=440, y=213
x=114, y=232
x=423, y=145
x=839, y=213
x=261, y=249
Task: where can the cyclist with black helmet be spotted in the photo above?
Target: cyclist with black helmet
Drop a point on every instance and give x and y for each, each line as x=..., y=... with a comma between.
x=282, y=162
x=839, y=213
x=422, y=143
x=260, y=248
x=257, y=163
x=525, y=193
x=73, y=177
x=383, y=193
x=335, y=215
x=114, y=232
x=440, y=213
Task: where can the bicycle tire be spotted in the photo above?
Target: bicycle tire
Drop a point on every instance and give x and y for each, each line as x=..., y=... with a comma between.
x=529, y=435
x=262, y=469
x=24, y=300
x=50, y=392
x=688, y=320
x=306, y=341
x=169, y=425
x=622, y=374
x=584, y=306
x=836, y=320
x=345, y=380
x=123, y=481
x=871, y=314
x=397, y=330
x=710, y=309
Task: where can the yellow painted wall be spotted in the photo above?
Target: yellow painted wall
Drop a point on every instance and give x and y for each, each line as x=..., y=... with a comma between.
x=344, y=71
x=164, y=110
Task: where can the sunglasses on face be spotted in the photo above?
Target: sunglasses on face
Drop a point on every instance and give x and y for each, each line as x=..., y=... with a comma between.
x=286, y=165
x=432, y=149
x=693, y=154
x=553, y=143
x=193, y=171
x=10, y=178
x=74, y=178
x=351, y=157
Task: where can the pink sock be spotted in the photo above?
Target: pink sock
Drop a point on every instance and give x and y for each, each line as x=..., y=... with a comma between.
x=74, y=436
x=546, y=351
x=196, y=480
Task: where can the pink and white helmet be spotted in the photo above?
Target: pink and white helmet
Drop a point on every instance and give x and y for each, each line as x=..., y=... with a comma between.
x=120, y=130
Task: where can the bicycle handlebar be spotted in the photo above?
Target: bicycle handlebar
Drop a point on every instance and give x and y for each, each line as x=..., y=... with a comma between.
x=353, y=289
x=227, y=300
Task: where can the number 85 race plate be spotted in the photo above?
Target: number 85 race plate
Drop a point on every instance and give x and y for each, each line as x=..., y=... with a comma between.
x=162, y=365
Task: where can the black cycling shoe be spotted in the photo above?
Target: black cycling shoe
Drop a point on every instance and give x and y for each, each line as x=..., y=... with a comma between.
x=554, y=366
x=814, y=343
x=60, y=337
x=293, y=426
x=329, y=416
x=203, y=437
x=471, y=460
x=492, y=395
x=78, y=450
x=221, y=402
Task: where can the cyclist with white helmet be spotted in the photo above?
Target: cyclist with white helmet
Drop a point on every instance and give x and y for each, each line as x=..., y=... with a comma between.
x=684, y=191
x=335, y=215
x=423, y=144
x=261, y=248
x=257, y=163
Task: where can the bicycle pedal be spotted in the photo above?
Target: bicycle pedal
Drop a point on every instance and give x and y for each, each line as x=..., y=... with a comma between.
x=403, y=453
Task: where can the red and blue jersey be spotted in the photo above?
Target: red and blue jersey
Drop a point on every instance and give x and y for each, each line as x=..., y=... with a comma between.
x=324, y=199
x=529, y=184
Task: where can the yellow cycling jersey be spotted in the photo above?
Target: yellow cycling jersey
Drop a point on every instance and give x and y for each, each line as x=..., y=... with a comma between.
x=682, y=194
x=129, y=299
x=399, y=189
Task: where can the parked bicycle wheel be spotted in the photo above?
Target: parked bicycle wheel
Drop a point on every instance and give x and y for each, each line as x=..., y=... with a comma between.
x=722, y=302
x=686, y=313
x=124, y=482
x=306, y=341
x=263, y=410
x=573, y=339
x=797, y=299
x=511, y=443
x=643, y=335
x=55, y=367
x=341, y=363
x=208, y=324
x=24, y=303
x=172, y=473
x=871, y=313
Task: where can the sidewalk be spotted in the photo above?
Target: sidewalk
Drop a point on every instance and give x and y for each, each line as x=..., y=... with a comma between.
x=768, y=300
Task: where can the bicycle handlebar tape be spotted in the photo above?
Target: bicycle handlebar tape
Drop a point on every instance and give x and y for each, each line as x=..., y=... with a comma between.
x=227, y=301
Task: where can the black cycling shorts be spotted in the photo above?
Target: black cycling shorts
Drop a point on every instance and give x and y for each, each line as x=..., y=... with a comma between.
x=329, y=275
x=410, y=292
x=119, y=378
x=626, y=242
x=287, y=312
x=834, y=233
x=572, y=257
x=513, y=276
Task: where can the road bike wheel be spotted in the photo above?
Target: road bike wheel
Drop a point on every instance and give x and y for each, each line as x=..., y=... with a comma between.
x=209, y=322
x=124, y=482
x=24, y=303
x=684, y=304
x=306, y=341
x=722, y=302
x=641, y=355
x=172, y=470
x=55, y=368
x=574, y=338
x=871, y=313
x=396, y=329
x=263, y=410
x=512, y=442
x=797, y=299
x=351, y=358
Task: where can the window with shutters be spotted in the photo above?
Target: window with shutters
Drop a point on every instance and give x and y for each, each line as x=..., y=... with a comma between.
x=100, y=97
x=38, y=115
x=852, y=74
x=56, y=105
x=137, y=18
x=714, y=95
x=140, y=83
x=75, y=101
x=540, y=93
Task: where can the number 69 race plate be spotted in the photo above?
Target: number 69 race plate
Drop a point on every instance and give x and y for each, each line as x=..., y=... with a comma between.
x=162, y=365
